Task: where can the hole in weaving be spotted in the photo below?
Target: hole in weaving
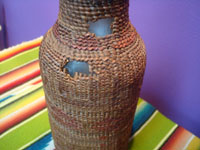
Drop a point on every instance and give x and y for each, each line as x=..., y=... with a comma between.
x=76, y=66
x=101, y=27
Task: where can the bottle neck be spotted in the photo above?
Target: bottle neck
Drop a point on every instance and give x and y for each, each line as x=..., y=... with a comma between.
x=77, y=16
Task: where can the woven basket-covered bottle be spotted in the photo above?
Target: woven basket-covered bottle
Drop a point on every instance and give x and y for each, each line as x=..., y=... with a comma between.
x=92, y=65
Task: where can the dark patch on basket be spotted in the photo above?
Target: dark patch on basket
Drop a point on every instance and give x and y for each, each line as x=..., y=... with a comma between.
x=45, y=80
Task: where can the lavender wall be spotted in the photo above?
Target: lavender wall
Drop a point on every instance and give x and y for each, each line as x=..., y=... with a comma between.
x=2, y=26
x=28, y=19
x=171, y=31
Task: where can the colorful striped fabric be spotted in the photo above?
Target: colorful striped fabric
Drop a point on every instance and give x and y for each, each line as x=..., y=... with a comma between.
x=24, y=120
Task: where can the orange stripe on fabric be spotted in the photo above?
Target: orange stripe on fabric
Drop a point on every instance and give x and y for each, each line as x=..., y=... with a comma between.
x=19, y=76
x=22, y=114
x=36, y=82
x=178, y=140
x=7, y=53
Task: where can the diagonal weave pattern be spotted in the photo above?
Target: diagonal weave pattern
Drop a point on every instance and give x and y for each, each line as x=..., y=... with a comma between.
x=92, y=111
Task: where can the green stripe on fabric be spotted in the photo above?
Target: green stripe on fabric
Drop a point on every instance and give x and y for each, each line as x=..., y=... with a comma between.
x=21, y=101
x=139, y=101
x=36, y=139
x=19, y=60
x=152, y=133
x=25, y=132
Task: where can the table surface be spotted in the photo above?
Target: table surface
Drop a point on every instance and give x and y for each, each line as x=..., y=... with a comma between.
x=24, y=117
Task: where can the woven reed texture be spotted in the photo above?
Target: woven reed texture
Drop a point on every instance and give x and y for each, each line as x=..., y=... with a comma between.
x=92, y=111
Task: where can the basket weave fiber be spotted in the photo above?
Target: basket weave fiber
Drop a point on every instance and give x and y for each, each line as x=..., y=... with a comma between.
x=92, y=111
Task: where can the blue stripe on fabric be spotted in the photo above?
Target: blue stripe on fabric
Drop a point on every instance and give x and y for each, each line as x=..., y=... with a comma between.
x=45, y=143
x=142, y=115
x=5, y=98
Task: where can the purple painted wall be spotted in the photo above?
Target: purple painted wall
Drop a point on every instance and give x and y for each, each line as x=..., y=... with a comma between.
x=28, y=19
x=2, y=27
x=171, y=31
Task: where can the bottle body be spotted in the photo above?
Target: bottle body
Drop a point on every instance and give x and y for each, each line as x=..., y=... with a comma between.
x=92, y=109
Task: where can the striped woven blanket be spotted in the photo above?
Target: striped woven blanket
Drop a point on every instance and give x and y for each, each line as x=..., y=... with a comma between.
x=24, y=120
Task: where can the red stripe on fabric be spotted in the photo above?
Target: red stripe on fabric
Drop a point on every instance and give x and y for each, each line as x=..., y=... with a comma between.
x=22, y=114
x=19, y=76
x=178, y=140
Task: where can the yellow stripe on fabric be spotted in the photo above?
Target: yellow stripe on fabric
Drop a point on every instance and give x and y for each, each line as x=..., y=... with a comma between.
x=20, y=88
x=194, y=144
x=23, y=91
x=21, y=100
